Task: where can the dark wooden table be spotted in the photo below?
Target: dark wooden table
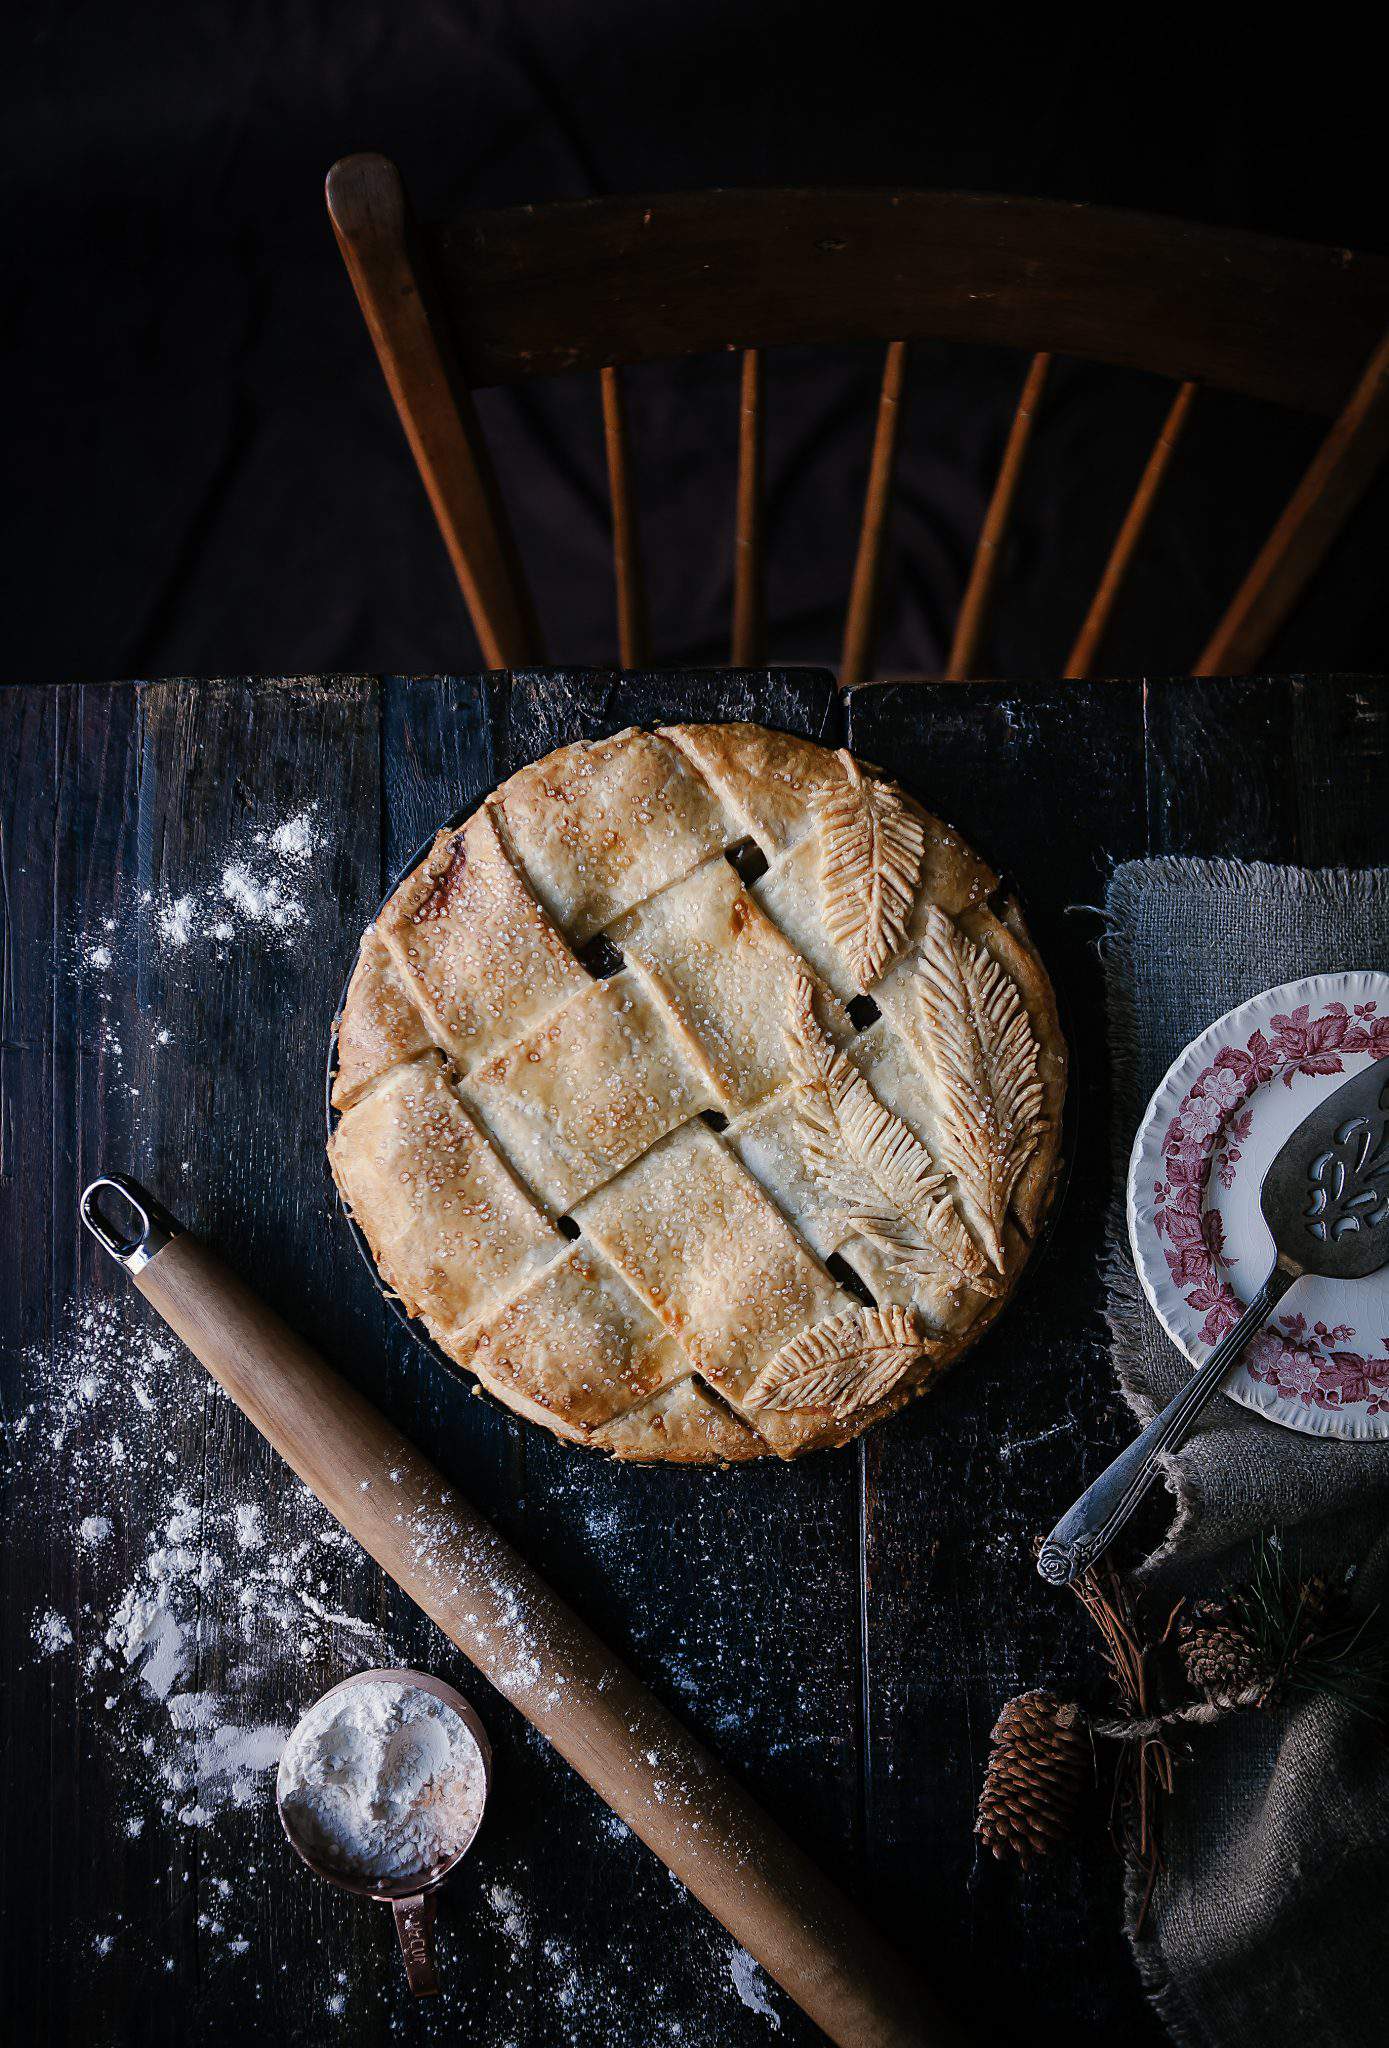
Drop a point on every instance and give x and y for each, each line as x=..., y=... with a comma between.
x=842, y=1631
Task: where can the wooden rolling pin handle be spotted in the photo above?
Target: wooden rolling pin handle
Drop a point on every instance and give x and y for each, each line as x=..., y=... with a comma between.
x=665, y=1785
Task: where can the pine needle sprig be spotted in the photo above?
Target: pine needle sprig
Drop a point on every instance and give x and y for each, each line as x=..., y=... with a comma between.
x=1306, y=1636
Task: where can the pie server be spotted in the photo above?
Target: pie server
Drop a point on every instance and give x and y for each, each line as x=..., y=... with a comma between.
x=1325, y=1199
x=671, y=1791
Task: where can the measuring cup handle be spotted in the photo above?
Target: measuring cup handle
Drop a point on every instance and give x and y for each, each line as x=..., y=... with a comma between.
x=414, y=1923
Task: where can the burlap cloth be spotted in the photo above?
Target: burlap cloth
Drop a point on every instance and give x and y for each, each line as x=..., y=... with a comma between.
x=1269, y=1921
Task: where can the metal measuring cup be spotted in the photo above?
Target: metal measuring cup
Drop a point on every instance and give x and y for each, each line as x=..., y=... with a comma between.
x=412, y=1899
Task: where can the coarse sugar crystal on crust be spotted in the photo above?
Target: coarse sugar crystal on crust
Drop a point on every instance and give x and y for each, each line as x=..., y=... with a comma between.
x=701, y=1094
x=473, y=947
x=451, y=1228
x=698, y=1239
x=604, y=823
x=770, y=781
x=590, y=1089
x=380, y=1025
x=681, y=1425
x=725, y=970
x=575, y=1348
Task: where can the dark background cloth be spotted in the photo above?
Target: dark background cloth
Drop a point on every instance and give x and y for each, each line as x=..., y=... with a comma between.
x=204, y=472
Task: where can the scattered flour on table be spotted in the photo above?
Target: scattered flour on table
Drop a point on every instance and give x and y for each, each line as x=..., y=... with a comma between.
x=183, y=1611
x=382, y=1783
x=174, y=920
x=245, y=1589
x=295, y=839
x=616, y=1989
x=52, y=1632
x=251, y=893
x=255, y=889
x=751, y=1986
x=510, y=1913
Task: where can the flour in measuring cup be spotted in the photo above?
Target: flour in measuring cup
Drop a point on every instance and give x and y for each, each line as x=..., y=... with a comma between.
x=381, y=1783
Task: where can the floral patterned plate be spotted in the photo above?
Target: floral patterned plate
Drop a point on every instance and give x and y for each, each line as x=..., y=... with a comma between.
x=1199, y=1242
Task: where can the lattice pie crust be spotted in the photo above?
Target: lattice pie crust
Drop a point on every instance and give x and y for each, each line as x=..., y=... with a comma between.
x=699, y=1094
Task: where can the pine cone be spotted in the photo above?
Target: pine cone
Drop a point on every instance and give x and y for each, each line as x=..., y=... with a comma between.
x=1218, y=1655
x=1038, y=1760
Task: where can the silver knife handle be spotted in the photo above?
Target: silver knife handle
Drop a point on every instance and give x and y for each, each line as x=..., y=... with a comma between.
x=1086, y=1531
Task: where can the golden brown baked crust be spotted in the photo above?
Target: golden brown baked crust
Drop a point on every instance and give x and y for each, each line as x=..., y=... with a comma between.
x=697, y=1200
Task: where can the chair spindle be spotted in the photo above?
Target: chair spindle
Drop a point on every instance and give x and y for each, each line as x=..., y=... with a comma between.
x=749, y=584
x=376, y=234
x=863, y=594
x=1082, y=656
x=1337, y=478
x=633, y=638
x=969, y=626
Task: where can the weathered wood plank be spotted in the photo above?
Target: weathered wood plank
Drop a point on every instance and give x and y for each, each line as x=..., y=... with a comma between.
x=436, y=762
x=1340, y=740
x=692, y=1574
x=96, y=1020
x=1270, y=768
x=39, y=1788
x=545, y=708
x=231, y=1118
x=190, y=971
x=1047, y=782
x=1222, y=771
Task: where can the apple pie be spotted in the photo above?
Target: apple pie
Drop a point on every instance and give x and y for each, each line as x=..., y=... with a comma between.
x=701, y=1094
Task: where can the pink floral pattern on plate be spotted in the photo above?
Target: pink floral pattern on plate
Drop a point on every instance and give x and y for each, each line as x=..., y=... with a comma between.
x=1315, y=1366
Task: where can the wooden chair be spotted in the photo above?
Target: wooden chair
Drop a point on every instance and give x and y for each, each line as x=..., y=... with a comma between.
x=495, y=298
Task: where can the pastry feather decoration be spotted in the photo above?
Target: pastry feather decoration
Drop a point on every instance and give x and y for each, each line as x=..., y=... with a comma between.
x=871, y=849
x=875, y=1173
x=845, y=1363
x=978, y=1038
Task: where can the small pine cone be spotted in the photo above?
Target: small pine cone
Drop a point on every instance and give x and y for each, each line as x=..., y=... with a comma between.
x=1217, y=1654
x=1038, y=1761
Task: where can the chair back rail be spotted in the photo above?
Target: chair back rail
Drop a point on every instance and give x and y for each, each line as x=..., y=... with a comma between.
x=501, y=297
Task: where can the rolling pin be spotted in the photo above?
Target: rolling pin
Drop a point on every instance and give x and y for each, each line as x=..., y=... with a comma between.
x=655, y=1776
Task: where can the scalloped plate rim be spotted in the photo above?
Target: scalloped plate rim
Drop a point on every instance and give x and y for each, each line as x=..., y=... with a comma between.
x=1158, y=1286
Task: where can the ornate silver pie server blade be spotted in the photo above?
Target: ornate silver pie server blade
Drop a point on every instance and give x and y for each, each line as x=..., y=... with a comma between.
x=1325, y=1199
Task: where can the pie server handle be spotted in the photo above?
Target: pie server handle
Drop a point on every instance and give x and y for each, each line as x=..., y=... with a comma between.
x=665, y=1785
x=1086, y=1530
